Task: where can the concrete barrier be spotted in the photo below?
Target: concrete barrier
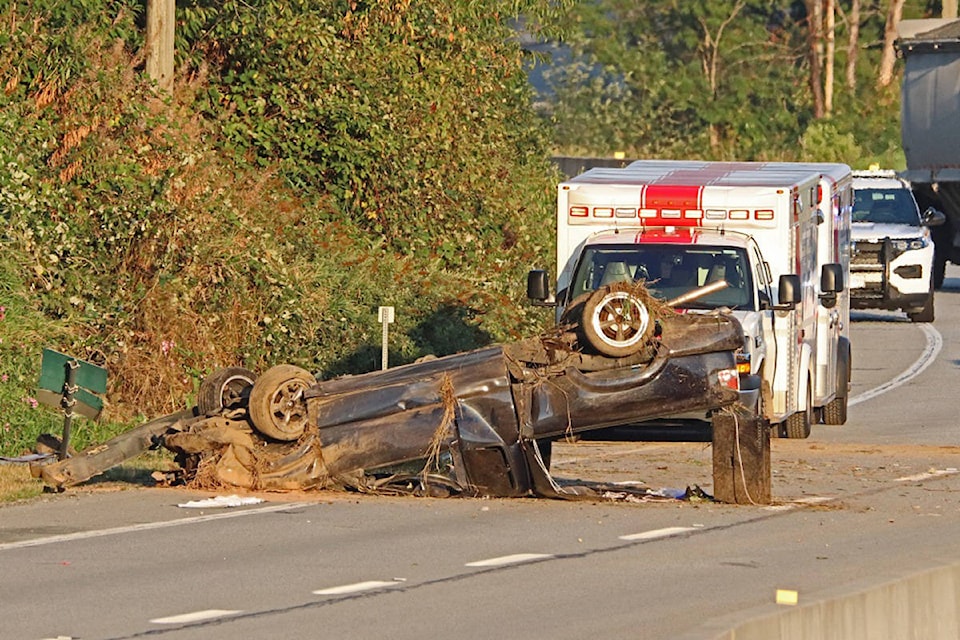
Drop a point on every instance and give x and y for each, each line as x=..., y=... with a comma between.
x=923, y=606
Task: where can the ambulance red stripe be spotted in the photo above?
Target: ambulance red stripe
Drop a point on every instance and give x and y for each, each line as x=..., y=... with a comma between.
x=659, y=196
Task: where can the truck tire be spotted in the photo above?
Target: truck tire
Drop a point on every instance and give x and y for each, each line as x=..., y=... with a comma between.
x=227, y=388
x=616, y=321
x=797, y=425
x=277, y=408
x=925, y=314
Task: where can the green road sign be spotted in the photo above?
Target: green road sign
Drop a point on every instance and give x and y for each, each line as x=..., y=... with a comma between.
x=89, y=379
x=53, y=373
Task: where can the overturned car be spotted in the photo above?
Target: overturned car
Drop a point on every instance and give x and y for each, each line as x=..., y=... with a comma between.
x=475, y=423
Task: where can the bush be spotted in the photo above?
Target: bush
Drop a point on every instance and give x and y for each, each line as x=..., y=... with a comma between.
x=264, y=211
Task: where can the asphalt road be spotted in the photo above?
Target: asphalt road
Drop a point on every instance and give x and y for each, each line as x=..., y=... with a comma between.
x=868, y=502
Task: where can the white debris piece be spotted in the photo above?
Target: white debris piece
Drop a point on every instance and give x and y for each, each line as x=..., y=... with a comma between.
x=220, y=501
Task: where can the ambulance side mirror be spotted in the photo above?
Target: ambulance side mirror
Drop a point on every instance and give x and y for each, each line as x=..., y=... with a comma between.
x=788, y=294
x=831, y=283
x=538, y=288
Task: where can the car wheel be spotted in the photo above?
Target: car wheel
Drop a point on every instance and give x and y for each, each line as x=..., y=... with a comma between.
x=616, y=322
x=278, y=408
x=227, y=388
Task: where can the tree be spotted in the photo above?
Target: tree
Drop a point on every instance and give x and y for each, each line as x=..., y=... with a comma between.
x=705, y=78
x=830, y=21
x=889, y=54
x=161, y=18
x=815, y=55
x=853, y=44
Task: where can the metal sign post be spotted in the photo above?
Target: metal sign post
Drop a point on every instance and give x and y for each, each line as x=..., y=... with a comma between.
x=385, y=316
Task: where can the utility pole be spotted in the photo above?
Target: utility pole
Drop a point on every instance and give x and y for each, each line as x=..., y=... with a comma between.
x=161, y=17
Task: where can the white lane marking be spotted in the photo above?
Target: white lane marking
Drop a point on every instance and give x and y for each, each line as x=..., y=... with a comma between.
x=357, y=587
x=84, y=535
x=512, y=559
x=935, y=473
x=930, y=353
x=196, y=616
x=814, y=500
x=658, y=533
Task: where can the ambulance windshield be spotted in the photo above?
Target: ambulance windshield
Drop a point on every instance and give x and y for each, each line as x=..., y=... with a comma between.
x=669, y=271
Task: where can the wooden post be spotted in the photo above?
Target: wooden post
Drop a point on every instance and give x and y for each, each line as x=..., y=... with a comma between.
x=161, y=17
x=741, y=458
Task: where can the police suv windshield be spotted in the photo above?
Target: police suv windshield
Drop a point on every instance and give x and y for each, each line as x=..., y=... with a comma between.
x=669, y=271
x=885, y=206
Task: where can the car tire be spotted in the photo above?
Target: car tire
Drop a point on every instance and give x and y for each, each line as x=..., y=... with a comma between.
x=278, y=408
x=616, y=321
x=227, y=388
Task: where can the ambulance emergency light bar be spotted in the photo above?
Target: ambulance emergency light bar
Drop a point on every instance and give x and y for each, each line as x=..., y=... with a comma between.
x=681, y=205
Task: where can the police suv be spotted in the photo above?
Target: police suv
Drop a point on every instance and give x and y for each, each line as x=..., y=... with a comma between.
x=891, y=265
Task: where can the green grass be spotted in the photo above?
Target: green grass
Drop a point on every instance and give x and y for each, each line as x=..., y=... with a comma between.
x=17, y=483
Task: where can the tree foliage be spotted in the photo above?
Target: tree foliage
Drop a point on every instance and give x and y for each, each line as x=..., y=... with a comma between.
x=718, y=79
x=409, y=115
x=321, y=158
x=317, y=160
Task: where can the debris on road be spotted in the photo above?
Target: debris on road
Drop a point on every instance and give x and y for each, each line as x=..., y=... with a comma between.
x=479, y=423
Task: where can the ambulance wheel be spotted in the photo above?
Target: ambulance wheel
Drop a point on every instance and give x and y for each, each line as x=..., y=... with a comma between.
x=227, y=388
x=616, y=322
x=278, y=409
x=797, y=425
x=835, y=411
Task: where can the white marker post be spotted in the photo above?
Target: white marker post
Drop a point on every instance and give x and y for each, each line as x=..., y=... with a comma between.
x=385, y=316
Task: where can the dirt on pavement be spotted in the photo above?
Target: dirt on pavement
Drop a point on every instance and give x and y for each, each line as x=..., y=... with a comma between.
x=800, y=469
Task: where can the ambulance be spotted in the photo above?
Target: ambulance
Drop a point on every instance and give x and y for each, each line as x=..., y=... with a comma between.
x=776, y=234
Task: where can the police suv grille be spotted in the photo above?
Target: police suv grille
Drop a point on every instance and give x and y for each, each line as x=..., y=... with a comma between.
x=867, y=254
